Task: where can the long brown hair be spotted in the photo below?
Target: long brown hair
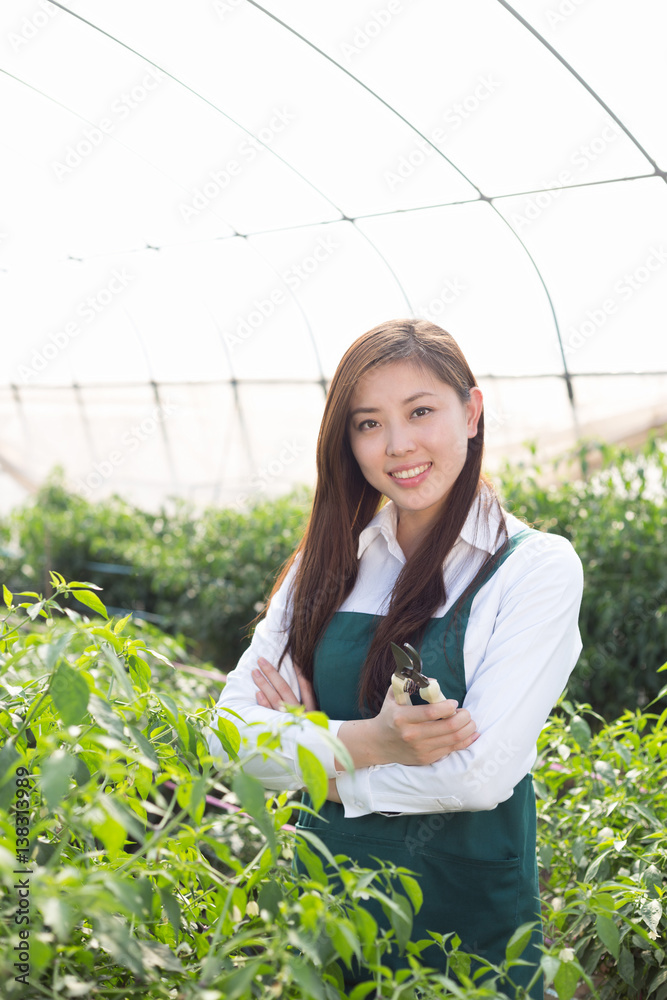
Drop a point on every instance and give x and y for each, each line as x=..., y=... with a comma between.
x=344, y=503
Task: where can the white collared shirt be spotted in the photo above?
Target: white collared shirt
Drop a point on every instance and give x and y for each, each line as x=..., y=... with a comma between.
x=521, y=644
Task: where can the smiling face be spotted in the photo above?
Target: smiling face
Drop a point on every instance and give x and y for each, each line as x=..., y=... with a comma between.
x=409, y=433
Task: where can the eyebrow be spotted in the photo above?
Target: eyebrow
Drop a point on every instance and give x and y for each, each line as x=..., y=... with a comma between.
x=374, y=409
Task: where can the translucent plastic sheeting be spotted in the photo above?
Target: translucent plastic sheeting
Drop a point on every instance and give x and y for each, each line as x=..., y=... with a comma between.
x=205, y=205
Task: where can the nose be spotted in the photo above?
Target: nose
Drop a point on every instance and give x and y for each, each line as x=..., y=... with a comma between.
x=400, y=440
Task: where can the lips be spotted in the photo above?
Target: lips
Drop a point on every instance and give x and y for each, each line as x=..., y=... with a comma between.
x=410, y=472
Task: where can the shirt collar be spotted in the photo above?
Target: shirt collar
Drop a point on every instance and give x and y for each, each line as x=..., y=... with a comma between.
x=479, y=528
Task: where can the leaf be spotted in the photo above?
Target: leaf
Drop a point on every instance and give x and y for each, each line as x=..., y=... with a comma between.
x=566, y=981
x=361, y=991
x=400, y=918
x=56, y=772
x=250, y=793
x=59, y=916
x=318, y=845
x=608, y=933
x=309, y=981
x=105, y=717
x=314, y=776
x=319, y=718
x=170, y=709
x=657, y=980
x=143, y=780
x=7, y=594
x=550, y=966
x=270, y=897
x=118, y=670
x=626, y=966
x=366, y=926
x=651, y=911
x=8, y=758
x=120, y=625
x=69, y=692
x=652, y=879
x=517, y=943
x=91, y=600
x=54, y=650
x=238, y=983
x=412, y=890
x=74, y=584
x=116, y=938
x=646, y=813
x=172, y=909
x=344, y=940
x=229, y=736
x=123, y=817
x=313, y=864
x=580, y=731
x=159, y=956
x=145, y=746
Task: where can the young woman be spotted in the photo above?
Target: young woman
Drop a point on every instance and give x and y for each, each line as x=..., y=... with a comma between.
x=492, y=605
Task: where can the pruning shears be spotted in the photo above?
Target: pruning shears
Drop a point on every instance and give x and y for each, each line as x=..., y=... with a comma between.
x=408, y=678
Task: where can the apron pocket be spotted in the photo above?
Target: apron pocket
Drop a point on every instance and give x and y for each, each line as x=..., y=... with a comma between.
x=478, y=899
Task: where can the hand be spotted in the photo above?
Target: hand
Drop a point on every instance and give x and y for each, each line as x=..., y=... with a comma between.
x=409, y=734
x=422, y=734
x=274, y=691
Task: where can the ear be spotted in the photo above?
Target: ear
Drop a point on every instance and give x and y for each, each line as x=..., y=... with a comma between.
x=474, y=410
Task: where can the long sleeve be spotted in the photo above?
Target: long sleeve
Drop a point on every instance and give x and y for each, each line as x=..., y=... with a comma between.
x=521, y=645
x=239, y=693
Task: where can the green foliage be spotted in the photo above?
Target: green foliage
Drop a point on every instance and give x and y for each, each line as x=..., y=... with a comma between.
x=602, y=808
x=616, y=518
x=123, y=873
x=205, y=575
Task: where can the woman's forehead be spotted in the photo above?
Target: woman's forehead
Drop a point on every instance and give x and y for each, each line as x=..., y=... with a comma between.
x=394, y=377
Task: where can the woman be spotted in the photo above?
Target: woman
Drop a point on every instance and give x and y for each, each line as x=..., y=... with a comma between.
x=444, y=789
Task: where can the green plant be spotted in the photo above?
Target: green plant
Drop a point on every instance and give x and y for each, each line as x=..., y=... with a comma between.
x=603, y=845
x=204, y=575
x=614, y=514
x=123, y=873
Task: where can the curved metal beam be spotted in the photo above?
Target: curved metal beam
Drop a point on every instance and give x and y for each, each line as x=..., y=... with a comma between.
x=220, y=111
x=570, y=68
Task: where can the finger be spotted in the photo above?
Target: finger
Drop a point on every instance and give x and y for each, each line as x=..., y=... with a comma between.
x=419, y=714
x=278, y=682
x=262, y=700
x=449, y=730
x=267, y=691
x=443, y=733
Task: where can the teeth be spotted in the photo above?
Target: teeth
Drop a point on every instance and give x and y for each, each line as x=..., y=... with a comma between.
x=410, y=473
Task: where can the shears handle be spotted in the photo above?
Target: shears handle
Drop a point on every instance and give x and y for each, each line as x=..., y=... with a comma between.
x=431, y=693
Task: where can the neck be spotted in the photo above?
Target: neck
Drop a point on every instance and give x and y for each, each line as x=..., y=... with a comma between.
x=411, y=530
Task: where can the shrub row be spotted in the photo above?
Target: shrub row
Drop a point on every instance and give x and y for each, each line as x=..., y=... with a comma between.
x=207, y=574
x=128, y=872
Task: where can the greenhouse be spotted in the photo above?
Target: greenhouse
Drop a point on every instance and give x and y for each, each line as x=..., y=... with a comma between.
x=205, y=208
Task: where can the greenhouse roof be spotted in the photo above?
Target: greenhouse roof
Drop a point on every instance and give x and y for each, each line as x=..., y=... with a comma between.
x=206, y=204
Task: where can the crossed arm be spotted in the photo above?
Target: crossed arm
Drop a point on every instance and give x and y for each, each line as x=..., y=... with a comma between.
x=398, y=734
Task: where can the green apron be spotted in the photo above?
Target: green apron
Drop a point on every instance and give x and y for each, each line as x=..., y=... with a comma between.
x=478, y=870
